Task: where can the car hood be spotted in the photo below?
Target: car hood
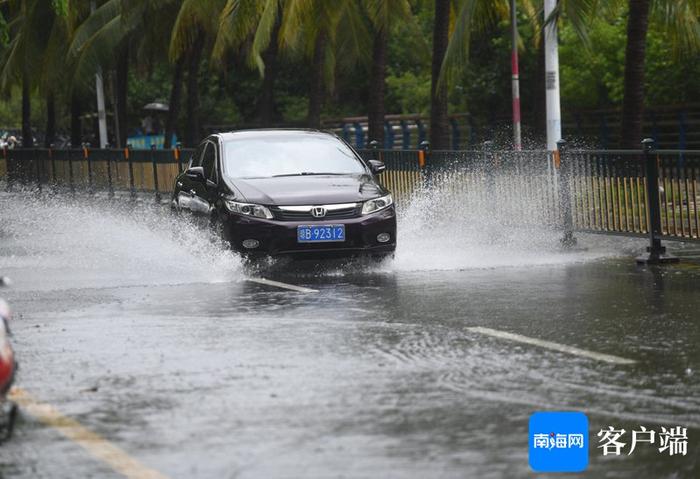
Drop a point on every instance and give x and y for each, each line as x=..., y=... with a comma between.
x=308, y=190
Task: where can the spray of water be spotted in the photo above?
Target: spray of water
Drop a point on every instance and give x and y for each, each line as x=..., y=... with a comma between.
x=475, y=221
x=86, y=242
x=83, y=242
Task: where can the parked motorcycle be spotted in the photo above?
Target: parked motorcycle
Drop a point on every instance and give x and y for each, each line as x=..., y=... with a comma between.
x=8, y=367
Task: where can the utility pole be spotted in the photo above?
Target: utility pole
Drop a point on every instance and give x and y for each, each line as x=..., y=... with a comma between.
x=100, y=90
x=515, y=78
x=551, y=62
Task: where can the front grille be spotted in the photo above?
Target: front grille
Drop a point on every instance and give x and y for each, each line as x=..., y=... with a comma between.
x=344, y=213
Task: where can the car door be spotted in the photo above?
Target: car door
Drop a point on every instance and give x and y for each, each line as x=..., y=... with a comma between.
x=207, y=190
x=186, y=188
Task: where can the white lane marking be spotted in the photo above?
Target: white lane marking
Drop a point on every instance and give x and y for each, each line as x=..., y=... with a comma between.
x=93, y=443
x=278, y=284
x=608, y=358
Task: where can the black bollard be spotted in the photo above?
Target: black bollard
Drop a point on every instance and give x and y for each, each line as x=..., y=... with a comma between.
x=130, y=164
x=155, y=173
x=656, y=253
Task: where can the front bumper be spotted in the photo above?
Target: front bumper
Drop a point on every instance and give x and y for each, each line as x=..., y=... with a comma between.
x=280, y=237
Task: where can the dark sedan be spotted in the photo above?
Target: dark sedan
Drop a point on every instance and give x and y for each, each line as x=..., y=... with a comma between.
x=289, y=192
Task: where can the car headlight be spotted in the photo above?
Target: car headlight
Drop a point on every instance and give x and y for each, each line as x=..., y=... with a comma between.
x=248, y=209
x=376, y=204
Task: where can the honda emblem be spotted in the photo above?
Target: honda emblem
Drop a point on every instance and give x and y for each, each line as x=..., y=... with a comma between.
x=318, y=211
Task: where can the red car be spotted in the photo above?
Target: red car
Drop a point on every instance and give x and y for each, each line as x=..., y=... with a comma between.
x=8, y=367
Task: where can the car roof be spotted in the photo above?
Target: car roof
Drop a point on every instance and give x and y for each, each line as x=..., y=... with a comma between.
x=270, y=133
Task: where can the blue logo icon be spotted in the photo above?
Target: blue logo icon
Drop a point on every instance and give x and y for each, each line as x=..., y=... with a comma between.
x=558, y=442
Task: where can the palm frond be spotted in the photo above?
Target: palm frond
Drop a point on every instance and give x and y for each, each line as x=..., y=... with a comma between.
x=679, y=20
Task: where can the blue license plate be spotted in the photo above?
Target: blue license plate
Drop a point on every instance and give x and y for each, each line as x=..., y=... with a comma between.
x=320, y=234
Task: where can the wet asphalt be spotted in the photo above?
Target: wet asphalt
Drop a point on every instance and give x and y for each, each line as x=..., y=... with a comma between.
x=133, y=327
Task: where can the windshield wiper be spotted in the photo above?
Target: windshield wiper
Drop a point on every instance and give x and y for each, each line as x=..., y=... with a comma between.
x=310, y=173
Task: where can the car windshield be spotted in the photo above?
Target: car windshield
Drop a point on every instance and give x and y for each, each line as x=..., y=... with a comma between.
x=266, y=157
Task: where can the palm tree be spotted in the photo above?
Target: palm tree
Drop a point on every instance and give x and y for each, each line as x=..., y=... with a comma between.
x=310, y=27
x=439, y=133
x=120, y=26
x=194, y=31
x=33, y=24
x=680, y=20
x=474, y=16
x=451, y=54
x=255, y=27
x=383, y=14
x=633, y=99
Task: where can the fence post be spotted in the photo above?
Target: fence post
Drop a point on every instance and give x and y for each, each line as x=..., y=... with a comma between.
x=110, y=186
x=405, y=135
x=7, y=168
x=155, y=172
x=86, y=156
x=71, y=180
x=656, y=253
x=130, y=164
x=565, y=171
x=454, y=128
x=424, y=163
x=359, y=136
x=178, y=156
x=374, y=146
x=35, y=155
x=53, y=167
x=421, y=132
x=388, y=136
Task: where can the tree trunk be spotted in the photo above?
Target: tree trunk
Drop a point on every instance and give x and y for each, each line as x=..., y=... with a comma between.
x=633, y=101
x=439, y=125
x=174, y=104
x=266, y=103
x=316, y=89
x=192, y=130
x=377, y=86
x=76, y=127
x=27, y=137
x=539, y=98
x=122, y=86
x=50, y=136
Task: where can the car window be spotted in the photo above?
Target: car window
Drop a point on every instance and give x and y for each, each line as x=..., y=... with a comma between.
x=289, y=155
x=196, y=159
x=209, y=161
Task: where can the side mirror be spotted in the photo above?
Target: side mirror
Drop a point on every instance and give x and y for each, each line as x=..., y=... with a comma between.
x=196, y=173
x=377, y=166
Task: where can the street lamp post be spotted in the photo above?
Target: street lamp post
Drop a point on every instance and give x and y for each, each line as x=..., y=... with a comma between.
x=515, y=78
x=100, y=92
x=551, y=62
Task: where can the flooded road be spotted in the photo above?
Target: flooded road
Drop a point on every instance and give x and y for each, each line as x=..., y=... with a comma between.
x=148, y=333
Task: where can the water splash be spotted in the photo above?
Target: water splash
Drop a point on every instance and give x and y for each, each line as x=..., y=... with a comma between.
x=486, y=225
x=85, y=242
x=90, y=242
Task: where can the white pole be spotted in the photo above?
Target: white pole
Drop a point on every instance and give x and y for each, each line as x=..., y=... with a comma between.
x=515, y=77
x=100, y=90
x=551, y=62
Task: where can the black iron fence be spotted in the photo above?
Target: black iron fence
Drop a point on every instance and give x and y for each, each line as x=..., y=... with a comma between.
x=644, y=192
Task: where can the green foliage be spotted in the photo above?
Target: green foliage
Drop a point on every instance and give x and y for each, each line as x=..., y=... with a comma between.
x=593, y=78
x=61, y=44
x=408, y=93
